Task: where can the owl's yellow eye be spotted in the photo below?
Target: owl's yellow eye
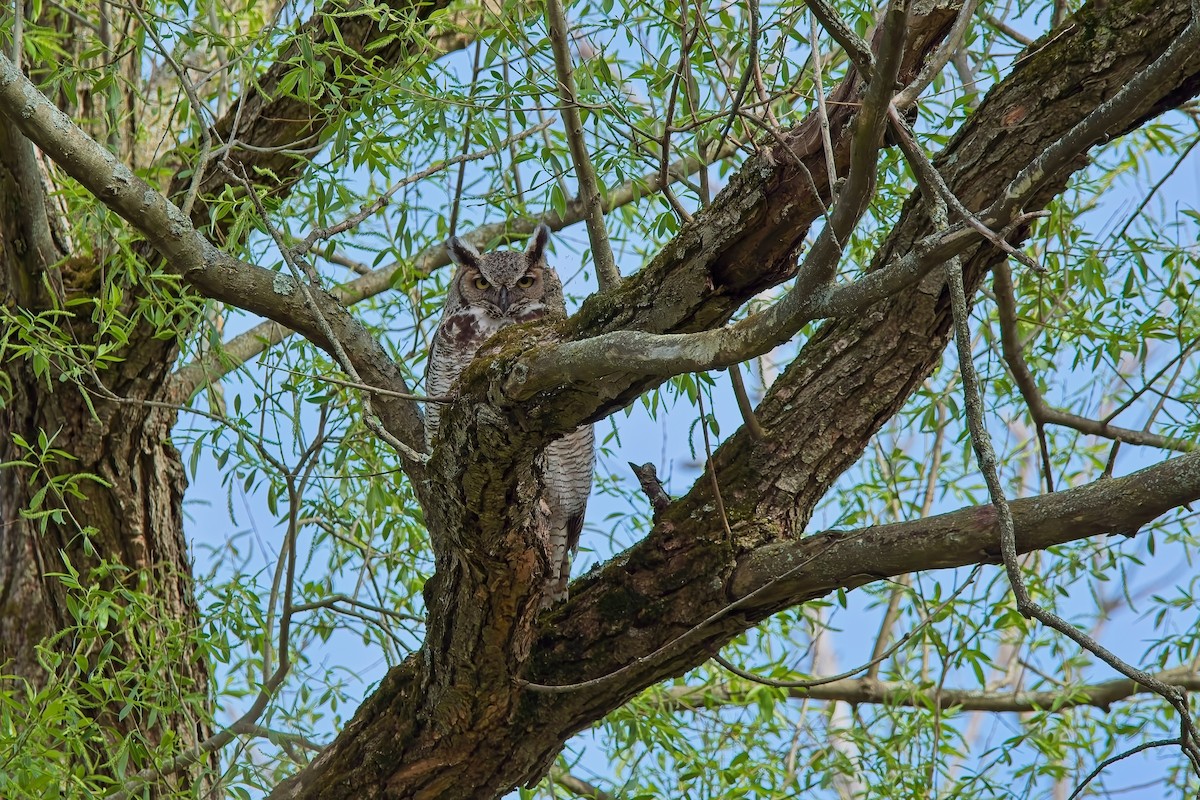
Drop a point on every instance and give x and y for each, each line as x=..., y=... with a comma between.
x=525, y=282
x=481, y=282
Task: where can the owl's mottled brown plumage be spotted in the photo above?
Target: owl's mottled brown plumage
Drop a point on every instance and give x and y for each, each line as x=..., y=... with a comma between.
x=487, y=293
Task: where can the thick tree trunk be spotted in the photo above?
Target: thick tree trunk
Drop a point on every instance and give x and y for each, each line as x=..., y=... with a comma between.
x=458, y=719
x=668, y=603
x=126, y=535
x=119, y=524
x=96, y=492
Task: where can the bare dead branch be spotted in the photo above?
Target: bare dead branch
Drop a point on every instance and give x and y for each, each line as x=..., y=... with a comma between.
x=648, y=479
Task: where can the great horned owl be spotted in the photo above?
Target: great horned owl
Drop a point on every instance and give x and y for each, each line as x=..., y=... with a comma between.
x=487, y=293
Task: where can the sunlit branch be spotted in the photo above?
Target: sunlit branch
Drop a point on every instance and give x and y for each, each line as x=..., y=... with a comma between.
x=188, y=254
x=244, y=347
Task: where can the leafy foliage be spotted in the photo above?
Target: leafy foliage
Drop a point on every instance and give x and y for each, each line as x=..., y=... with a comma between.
x=299, y=511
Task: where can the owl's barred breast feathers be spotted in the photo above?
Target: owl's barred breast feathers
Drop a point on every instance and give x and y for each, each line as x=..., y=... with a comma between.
x=489, y=292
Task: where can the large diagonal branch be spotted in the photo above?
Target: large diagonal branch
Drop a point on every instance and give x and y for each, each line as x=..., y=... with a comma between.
x=852, y=376
x=274, y=131
x=601, y=639
x=187, y=253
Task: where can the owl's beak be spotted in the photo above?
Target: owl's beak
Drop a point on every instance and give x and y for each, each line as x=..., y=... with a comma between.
x=504, y=298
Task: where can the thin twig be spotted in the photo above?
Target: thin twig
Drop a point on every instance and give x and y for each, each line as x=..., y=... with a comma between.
x=876, y=659
x=589, y=188
x=421, y=398
x=18, y=33
x=456, y=198
x=822, y=111
x=1110, y=761
x=1157, y=185
x=687, y=39
x=986, y=457
x=712, y=465
x=1006, y=29
x=578, y=786
x=319, y=234
x=744, y=405
x=332, y=600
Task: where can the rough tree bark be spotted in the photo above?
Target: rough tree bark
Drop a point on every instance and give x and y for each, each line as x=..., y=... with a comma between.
x=460, y=719
x=133, y=515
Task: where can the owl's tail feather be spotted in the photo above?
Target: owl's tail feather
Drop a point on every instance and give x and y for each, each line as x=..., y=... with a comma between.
x=564, y=544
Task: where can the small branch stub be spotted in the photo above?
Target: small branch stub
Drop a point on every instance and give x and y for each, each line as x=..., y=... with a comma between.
x=647, y=477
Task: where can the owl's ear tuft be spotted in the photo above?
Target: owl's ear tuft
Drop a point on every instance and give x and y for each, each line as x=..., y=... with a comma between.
x=462, y=253
x=535, y=253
